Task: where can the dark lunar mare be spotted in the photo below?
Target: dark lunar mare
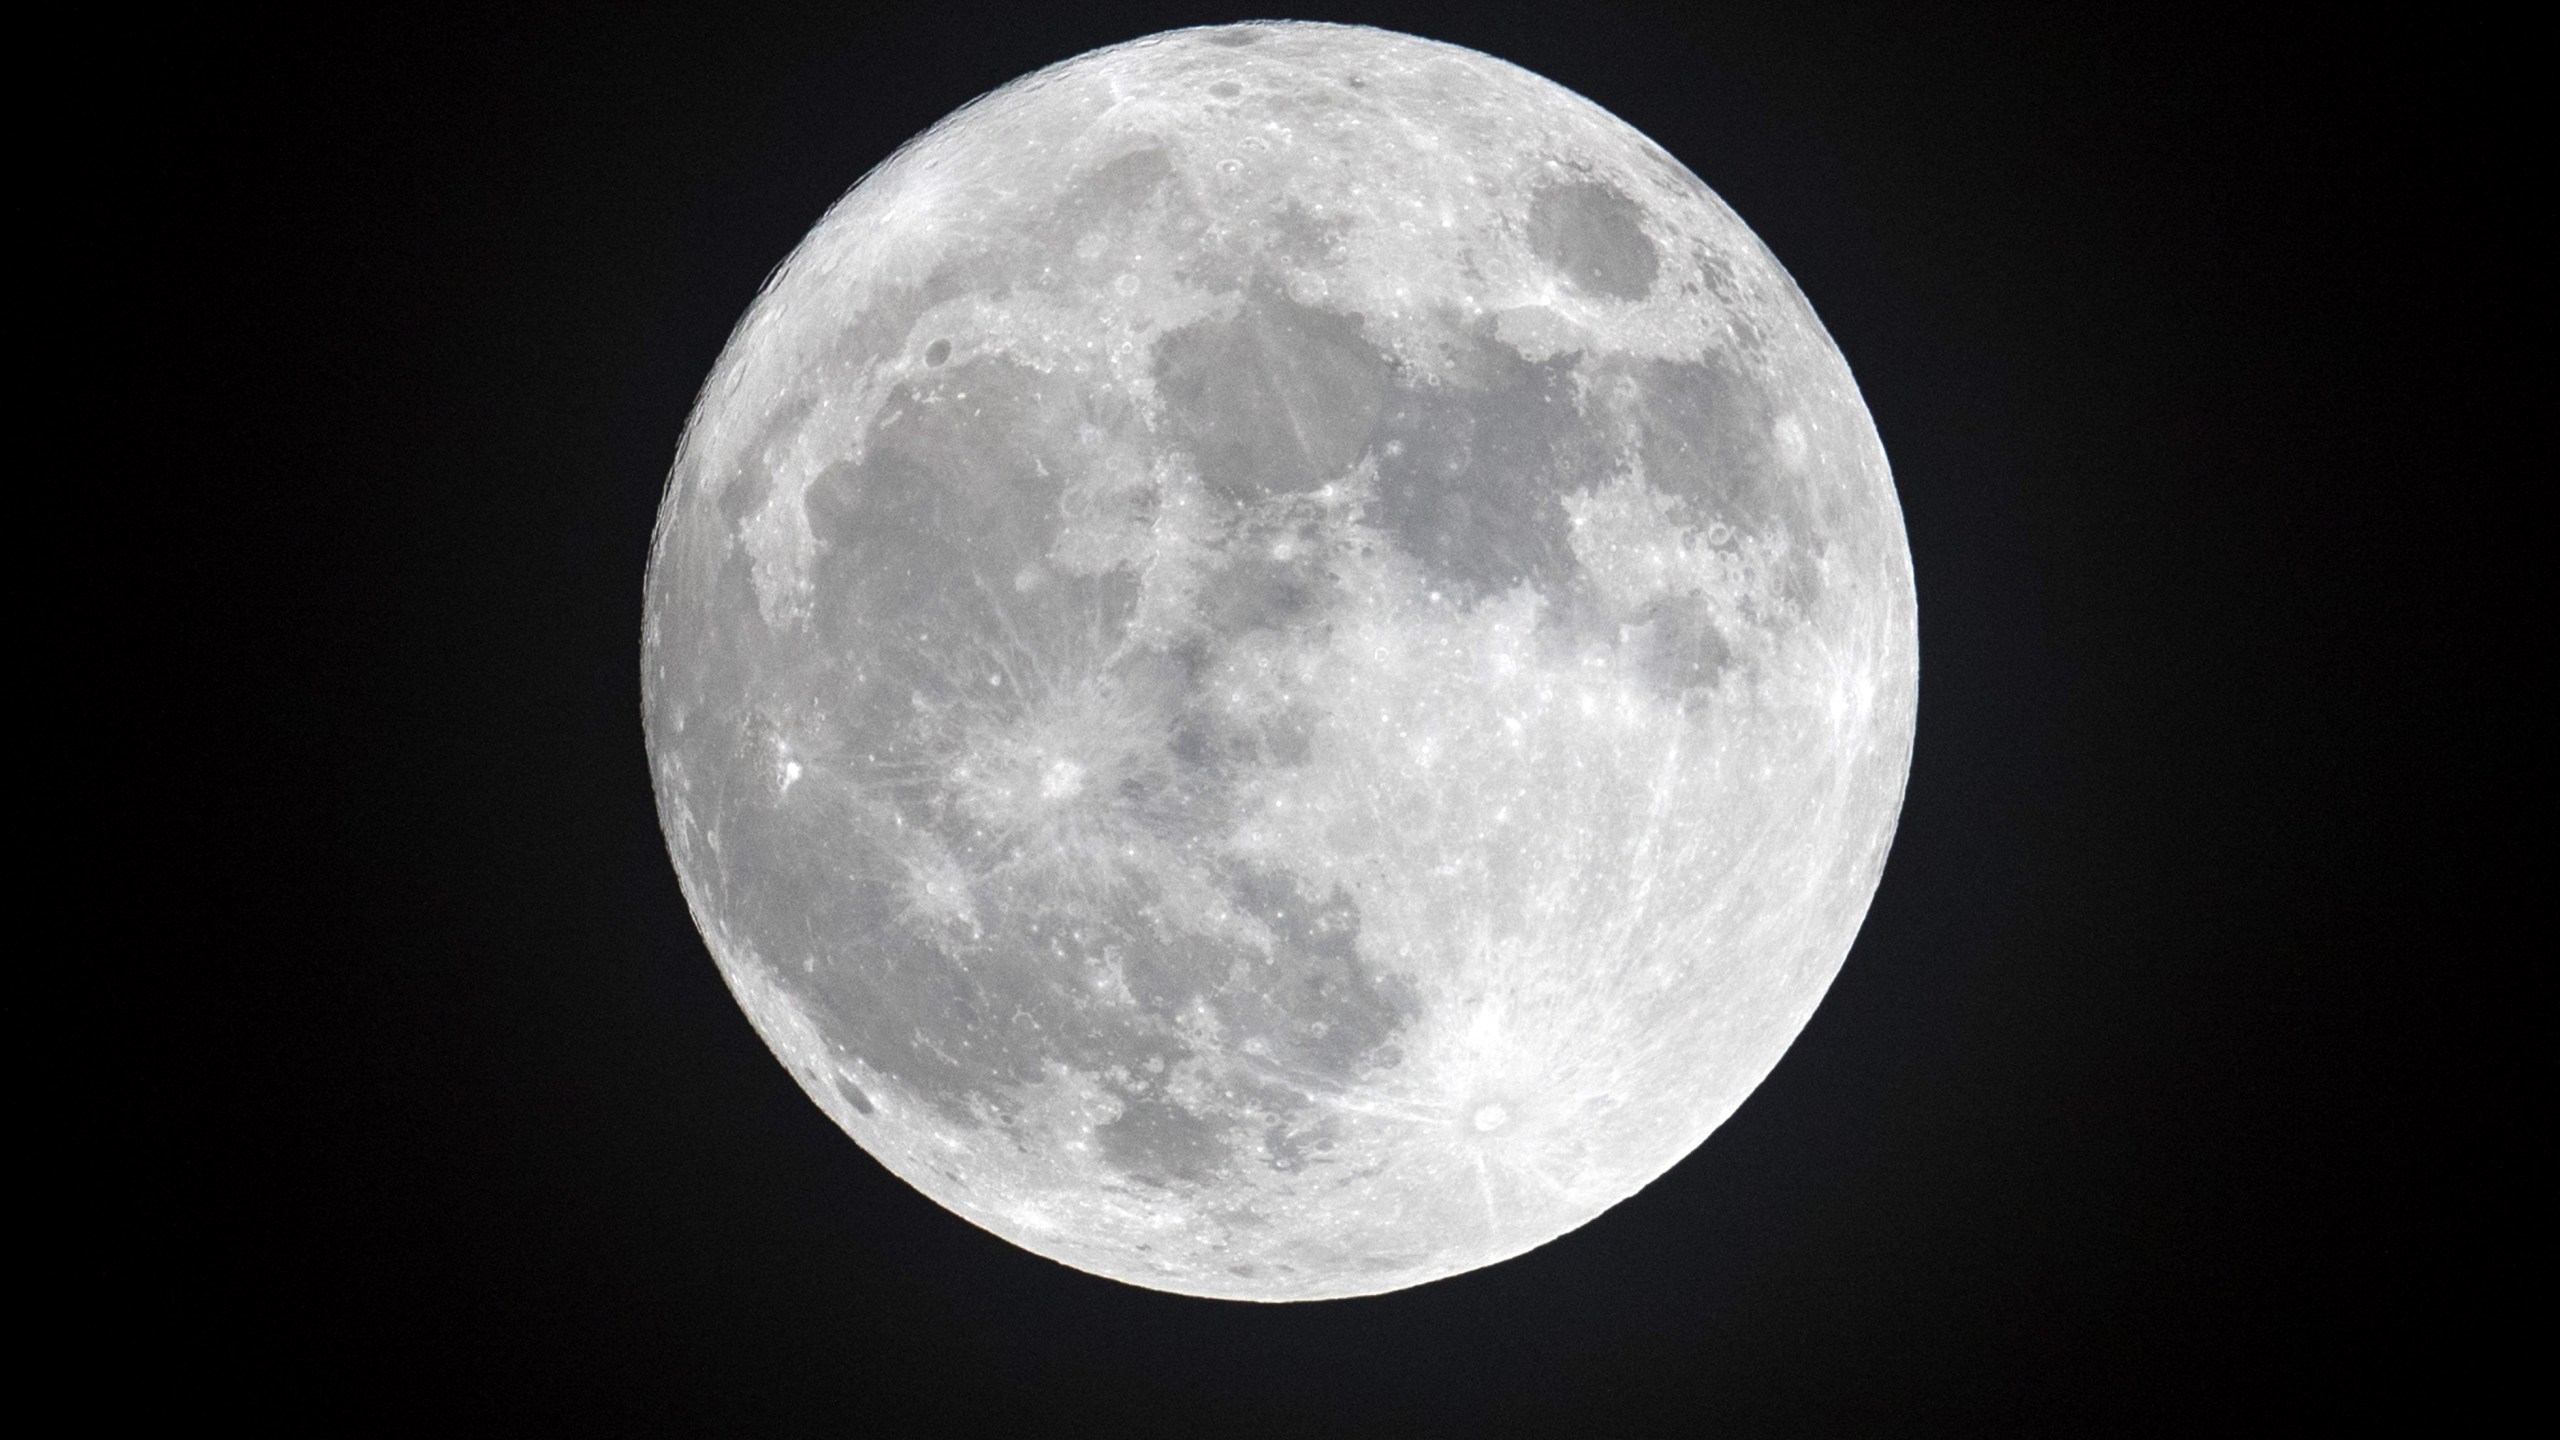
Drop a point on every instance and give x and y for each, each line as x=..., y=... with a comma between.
x=971, y=666
x=1278, y=398
x=916, y=607
x=1593, y=235
x=1473, y=470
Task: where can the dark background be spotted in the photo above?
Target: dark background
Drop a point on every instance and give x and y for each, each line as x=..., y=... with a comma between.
x=2131, y=1112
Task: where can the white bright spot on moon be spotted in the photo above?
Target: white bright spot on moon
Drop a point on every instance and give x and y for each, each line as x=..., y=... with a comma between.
x=1062, y=780
x=1282, y=605
x=1791, y=442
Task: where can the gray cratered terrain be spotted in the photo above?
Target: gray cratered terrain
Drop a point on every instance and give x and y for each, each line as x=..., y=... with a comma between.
x=1280, y=662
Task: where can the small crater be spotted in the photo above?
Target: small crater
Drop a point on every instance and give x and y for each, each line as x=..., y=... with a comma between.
x=937, y=352
x=1491, y=1118
x=853, y=1096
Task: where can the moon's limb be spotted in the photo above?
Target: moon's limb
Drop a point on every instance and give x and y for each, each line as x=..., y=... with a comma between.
x=1280, y=662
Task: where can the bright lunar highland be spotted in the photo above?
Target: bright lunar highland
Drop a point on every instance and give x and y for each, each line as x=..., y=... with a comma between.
x=1280, y=661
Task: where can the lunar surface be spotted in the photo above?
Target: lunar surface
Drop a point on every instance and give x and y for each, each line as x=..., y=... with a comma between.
x=1280, y=662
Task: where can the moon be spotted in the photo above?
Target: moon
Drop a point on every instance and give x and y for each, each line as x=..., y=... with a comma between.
x=1279, y=662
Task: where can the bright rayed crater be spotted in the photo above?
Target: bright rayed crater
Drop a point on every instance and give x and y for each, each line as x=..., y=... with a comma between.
x=1280, y=662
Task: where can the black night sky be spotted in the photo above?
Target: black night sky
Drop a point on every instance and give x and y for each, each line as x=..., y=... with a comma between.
x=2126, y=1116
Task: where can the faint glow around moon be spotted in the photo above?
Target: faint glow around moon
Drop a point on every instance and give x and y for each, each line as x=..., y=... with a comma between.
x=1279, y=662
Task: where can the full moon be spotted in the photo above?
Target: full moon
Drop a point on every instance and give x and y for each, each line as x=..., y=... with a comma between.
x=1279, y=662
